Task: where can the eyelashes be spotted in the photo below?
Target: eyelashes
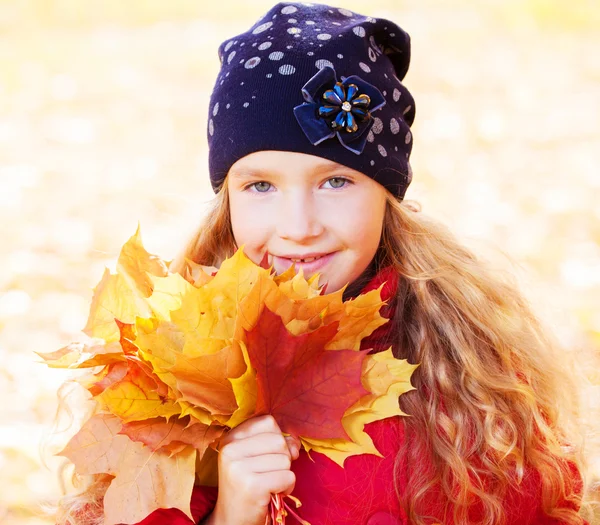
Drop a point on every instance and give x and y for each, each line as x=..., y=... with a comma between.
x=346, y=182
x=255, y=184
x=253, y=187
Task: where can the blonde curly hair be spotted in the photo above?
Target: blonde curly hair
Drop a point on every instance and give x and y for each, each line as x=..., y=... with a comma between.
x=492, y=400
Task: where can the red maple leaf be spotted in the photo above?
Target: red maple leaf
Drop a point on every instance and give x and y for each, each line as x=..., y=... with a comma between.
x=304, y=387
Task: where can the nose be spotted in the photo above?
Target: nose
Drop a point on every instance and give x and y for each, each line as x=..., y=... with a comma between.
x=298, y=217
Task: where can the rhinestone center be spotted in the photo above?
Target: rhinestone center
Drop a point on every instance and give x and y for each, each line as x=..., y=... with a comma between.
x=346, y=106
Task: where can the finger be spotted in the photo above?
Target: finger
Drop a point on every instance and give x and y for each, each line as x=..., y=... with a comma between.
x=251, y=427
x=282, y=481
x=293, y=440
x=293, y=444
x=266, y=463
x=256, y=445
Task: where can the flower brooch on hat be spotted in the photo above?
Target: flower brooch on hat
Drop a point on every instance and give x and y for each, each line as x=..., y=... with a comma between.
x=341, y=109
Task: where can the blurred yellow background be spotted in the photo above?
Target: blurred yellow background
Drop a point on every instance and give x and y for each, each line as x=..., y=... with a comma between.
x=103, y=108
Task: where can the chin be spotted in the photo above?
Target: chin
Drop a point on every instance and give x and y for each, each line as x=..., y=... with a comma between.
x=333, y=285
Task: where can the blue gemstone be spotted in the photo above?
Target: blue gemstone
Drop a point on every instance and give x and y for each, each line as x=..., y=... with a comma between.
x=328, y=111
x=351, y=92
x=331, y=96
x=362, y=101
x=340, y=120
x=351, y=125
x=340, y=91
x=361, y=114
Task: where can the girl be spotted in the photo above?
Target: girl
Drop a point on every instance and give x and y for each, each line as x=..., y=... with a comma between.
x=309, y=135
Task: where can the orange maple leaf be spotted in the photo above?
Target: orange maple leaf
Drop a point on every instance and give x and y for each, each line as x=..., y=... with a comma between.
x=172, y=435
x=144, y=481
x=137, y=395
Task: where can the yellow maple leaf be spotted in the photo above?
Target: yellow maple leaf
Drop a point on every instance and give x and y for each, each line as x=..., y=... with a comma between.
x=80, y=355
x=167, y=294
x=197, y=274
x=297, y=287
x=233, y=282
x=124, y=295
x=245, y=391
x=197, y=414
x=360, y=319
x=138, y=266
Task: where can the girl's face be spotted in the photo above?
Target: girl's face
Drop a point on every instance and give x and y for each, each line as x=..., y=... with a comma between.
x=325, y=217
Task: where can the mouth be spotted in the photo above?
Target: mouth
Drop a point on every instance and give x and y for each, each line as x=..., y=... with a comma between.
x=309, y=263
x=305, y=260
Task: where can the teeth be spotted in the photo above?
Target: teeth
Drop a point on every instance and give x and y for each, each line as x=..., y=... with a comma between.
x=306, y=260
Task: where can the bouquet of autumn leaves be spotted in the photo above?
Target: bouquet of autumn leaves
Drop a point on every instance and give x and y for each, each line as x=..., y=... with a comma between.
x=175, y=361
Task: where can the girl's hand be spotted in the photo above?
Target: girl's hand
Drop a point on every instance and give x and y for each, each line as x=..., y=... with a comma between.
x=254, y=462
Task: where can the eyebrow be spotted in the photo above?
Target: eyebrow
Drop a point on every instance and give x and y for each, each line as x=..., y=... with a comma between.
x=247, y=173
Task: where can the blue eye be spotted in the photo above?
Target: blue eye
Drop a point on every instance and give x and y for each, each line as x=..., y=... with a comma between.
x=338, y=182
x=261, y=187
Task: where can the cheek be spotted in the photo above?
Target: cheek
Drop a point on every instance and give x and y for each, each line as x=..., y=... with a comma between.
x=358, y=223
x=248, y=225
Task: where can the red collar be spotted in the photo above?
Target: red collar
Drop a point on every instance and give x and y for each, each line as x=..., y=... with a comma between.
x=381, y=339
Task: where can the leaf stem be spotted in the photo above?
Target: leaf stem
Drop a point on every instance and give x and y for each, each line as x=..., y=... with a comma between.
x=279, y=509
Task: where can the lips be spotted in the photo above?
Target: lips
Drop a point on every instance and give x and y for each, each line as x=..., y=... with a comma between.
x=310, y=263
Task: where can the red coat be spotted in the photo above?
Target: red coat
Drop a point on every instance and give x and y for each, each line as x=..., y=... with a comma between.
x=362, y=492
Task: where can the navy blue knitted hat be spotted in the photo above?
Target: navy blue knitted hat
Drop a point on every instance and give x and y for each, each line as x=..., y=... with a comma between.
x=315, y=79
